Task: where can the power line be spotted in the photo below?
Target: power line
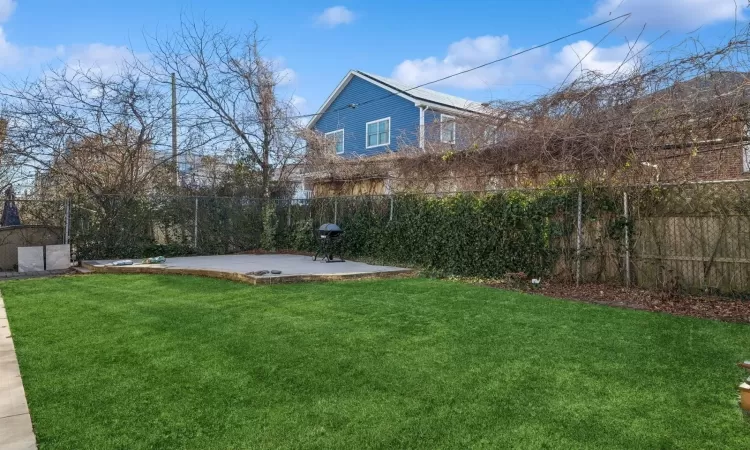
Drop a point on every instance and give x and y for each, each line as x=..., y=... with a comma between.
x=94, y=109
x=91, y=108
x=580, y=60
x=166, y=115
x=513, y=55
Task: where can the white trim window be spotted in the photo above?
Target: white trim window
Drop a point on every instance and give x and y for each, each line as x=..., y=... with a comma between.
x=378, y=133
x=447, y=129
x=490, y=135
x=337, y=140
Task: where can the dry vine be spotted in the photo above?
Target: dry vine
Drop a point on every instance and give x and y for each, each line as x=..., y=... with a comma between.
x=676, y=119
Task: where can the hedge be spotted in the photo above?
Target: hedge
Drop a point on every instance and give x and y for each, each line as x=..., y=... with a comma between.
x=483, y=235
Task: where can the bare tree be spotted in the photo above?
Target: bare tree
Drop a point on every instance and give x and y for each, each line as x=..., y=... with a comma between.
x=100, y=137
x=84, y=131
x=10, y=170
x=235, y=95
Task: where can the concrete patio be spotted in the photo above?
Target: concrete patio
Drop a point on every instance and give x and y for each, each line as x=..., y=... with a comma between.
x=294, y=268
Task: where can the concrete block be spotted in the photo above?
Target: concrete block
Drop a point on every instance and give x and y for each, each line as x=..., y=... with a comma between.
x=58, y=257
x=30, y=259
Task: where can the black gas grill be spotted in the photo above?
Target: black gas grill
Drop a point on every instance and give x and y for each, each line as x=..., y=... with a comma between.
x=330, y=242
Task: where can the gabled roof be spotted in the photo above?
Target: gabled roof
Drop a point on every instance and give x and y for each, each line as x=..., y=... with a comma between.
x=420, y=96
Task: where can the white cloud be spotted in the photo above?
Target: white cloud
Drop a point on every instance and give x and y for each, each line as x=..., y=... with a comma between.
x=97, y=57
x=300, y=105
x=605, y=60
x=299, y=102
x=673, y=14
x=463, y=55
x=536, y=66
x=284, y=75
x=334, y=16
x=100, y=57
x=13, y=56
x=6, y=9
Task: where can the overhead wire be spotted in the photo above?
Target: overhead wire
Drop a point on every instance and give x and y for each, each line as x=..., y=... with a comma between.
x=94, y=109
x=99, y=110
x=488, y=63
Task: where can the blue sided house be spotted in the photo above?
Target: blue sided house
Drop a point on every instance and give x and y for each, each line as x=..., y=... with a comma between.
x=368, y=114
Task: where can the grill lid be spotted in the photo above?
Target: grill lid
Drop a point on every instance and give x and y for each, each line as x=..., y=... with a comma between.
x=329, y=228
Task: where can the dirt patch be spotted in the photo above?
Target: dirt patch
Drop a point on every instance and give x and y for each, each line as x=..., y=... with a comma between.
x=719, y=308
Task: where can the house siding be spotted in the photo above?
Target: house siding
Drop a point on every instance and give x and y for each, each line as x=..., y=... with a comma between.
x=404, y=118
x=432, y=128
x=432, y=125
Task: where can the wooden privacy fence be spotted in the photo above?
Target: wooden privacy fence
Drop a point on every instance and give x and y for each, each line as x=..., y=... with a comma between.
x=694, y=238
x=694, y=253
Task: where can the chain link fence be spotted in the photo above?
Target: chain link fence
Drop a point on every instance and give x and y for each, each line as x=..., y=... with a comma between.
x=688, y=237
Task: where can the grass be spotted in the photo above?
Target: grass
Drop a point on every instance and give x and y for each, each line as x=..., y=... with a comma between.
x=146, y=361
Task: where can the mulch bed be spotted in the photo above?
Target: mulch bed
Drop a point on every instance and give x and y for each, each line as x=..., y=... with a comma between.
x=705, y=307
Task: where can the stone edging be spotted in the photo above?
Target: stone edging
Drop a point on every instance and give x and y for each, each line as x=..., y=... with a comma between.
x=243, y=278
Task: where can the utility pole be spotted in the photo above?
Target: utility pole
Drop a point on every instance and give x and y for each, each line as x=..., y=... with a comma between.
x=174, y=131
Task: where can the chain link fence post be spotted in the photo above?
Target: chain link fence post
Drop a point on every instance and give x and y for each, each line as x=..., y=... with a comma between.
x=390, y=218
x=289, y=214
x=67, y=221
x=627, y=239
x=195, y=224
x=579, y=238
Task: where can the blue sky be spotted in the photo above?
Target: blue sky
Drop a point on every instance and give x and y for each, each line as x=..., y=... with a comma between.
x=414, y=41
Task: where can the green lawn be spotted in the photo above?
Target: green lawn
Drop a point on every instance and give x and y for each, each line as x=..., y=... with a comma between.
x=145, y=361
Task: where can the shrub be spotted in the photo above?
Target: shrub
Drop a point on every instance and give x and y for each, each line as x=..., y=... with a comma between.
x=268, y=238
x=483, y=235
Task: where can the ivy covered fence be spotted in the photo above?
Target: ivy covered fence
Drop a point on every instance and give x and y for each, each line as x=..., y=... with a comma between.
x=689, y=238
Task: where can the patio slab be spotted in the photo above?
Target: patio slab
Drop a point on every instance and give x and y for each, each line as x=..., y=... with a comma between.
x=293, y=268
